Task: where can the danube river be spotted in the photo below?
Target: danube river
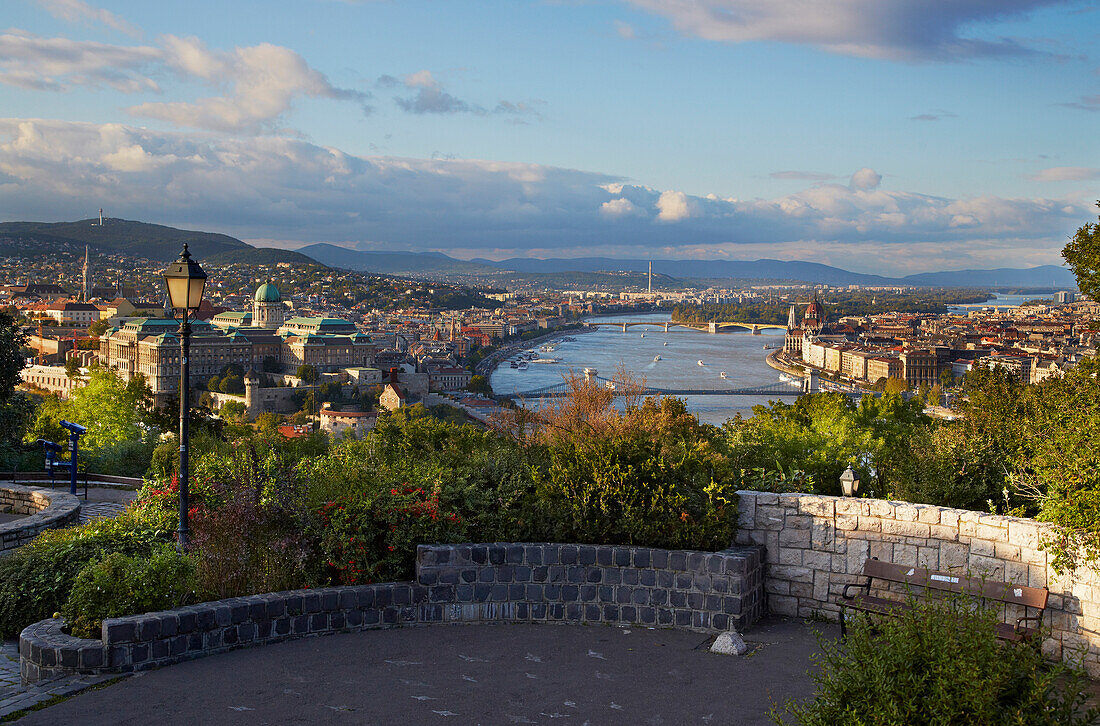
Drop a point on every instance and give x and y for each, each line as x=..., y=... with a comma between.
x=739, y=355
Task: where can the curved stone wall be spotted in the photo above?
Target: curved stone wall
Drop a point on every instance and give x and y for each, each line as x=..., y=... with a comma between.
x=817, y=544
x=528, y=583
x=43, y=509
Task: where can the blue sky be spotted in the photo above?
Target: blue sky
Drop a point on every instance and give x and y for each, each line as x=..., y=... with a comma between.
x=879, y=135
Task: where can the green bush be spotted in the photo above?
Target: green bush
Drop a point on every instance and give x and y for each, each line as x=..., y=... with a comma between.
x=121, y=585
x=629, y=489
x=939, y=663
x=36, y=579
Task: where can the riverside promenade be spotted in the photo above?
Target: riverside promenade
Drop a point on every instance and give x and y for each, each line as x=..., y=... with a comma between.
x=473, y=674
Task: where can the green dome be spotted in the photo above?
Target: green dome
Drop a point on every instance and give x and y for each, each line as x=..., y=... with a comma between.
x=267, y=293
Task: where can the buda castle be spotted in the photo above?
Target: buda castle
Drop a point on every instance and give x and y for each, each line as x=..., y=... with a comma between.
x=260, y=339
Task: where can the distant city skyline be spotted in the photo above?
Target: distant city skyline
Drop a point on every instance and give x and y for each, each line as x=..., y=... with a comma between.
x=882, y=137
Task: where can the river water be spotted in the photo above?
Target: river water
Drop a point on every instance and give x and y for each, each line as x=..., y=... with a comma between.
x=739, y=354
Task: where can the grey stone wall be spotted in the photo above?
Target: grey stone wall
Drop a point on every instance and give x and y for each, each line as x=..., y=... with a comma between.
x=529, y=583
x=817, y=544
x=43, y=509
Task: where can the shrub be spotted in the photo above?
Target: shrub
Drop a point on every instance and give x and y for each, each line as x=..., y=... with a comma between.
x=121, y=585
x=245, y=547
x=628, y=489
x=939, y=663
x=374, y=538
x=36, y=579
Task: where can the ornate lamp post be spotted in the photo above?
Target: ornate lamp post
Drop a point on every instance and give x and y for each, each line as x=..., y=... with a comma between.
x=849, y=483
x=186, y=282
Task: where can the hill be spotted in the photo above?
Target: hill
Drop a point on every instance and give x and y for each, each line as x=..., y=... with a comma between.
x=140, y=239
x=258, y=256
x=395, y=263
x=1042, y=276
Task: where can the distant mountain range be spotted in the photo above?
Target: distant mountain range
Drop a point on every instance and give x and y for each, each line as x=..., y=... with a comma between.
x=158, y=242
x=435, y=263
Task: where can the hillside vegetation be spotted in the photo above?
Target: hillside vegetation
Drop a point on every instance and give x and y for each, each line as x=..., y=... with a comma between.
x=140, y=239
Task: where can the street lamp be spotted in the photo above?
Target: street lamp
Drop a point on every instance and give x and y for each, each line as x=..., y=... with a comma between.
x=185, y=281
x=849, y=482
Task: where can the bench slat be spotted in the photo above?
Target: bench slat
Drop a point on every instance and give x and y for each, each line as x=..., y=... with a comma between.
x=1033, y=597
x=882, y=606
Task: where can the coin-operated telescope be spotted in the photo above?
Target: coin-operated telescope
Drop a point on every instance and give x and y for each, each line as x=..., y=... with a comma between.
x=53, y=450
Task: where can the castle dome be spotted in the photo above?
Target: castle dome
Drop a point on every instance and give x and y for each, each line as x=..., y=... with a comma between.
x=267, y=293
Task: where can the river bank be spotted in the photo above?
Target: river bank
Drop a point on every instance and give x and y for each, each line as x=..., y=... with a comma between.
x=489, y=363
x=668, y=359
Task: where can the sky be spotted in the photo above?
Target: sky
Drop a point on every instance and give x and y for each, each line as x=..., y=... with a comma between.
x=884, y=136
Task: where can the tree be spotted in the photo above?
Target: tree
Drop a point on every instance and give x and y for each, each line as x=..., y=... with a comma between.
x=307, y=373
x=479, y=384
x=231, y=383
x=12, y=342
x=1082, y=254
x=72, y=368
x=268, y=423
x=99, y=327
x=234, y=411
x=895, y=385
x=110, y=409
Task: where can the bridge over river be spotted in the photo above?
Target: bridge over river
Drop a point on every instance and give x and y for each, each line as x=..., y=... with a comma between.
x=774, y=389
x=715, y=327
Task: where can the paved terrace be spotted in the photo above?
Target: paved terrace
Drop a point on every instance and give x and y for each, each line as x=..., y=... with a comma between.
x=472, y=674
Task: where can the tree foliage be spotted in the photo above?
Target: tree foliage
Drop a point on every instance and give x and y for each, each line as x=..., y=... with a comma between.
x=12, y=342
x=1082, y=254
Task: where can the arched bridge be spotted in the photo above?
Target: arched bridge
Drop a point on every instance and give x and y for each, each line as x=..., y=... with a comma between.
x=562, y=389
x=715, y=327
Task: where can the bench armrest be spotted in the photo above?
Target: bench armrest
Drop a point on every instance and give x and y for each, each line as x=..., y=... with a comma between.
x=1037, y=619
x=866, y=587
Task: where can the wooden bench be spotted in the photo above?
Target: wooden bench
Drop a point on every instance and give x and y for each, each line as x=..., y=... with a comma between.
x=1030, y=598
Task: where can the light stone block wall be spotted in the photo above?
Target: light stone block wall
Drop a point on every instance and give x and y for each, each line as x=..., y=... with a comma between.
x=42, y=509
x=815, y=545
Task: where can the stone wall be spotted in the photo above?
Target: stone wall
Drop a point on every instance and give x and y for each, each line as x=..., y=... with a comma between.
x=523, y=583
x=817, y=544
x=43, y=509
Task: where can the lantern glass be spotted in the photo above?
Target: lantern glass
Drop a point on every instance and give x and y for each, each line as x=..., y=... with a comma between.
x=849, y=483
x=186, y=283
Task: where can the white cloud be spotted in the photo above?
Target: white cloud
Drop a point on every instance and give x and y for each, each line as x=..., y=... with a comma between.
x=891, y=29
x=865, y=179
x=58, y=64
x=78, y=11
x=1065, y=173
x=673, y=206
x=283, y=188
x=619, y=208
x=264, y=80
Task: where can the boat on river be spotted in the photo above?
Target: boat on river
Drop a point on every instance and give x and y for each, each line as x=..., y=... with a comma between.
x=701, y=363
x=656, y=358
x=723, y=375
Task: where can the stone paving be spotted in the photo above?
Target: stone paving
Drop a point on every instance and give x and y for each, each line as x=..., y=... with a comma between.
x=14, y=697
x=468, y=674
x=107, y=502
x=99, y=510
